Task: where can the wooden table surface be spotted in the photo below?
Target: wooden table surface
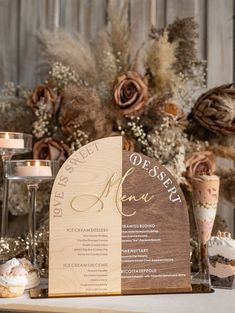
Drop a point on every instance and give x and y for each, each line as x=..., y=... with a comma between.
x=222, y=301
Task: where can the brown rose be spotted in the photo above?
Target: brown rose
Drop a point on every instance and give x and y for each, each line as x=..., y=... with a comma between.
x=44, y=94
x=171, y=109
x=130, y=93
x=50, y=149
x=199, y=163
x=127, y=144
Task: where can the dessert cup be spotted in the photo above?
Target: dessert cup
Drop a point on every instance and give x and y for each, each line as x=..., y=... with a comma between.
x=205, y=200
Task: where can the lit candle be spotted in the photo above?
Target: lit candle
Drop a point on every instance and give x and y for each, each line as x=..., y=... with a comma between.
x=11, y=143
x=33, y=169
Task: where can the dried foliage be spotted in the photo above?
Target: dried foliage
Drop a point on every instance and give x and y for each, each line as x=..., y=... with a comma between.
x=226, y=152
x=74, y=52
x=12, y=105
x=119, y=34
x=82, y=109
x=159, y=60
x=107, y=66
x=184, y=32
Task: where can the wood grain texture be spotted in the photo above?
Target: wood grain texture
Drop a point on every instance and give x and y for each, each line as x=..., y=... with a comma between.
x=201, y=16
x=158, y=231
x=9, y=41
x=140, y=21
x=220, y=42
x=85, y=223
x=22, y=308
x=19, y=53
x=69, y=15
x=219, y=50
x=118, y=225
x=180, y=9
x=189, y=8
x=92, y=17
x=160, y=13
x=40, y=15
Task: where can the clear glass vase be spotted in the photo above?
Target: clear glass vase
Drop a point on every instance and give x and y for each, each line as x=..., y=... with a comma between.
x=11, y=143
x=32, y=173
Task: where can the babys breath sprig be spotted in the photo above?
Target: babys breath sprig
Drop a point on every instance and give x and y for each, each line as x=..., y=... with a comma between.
x=119, y=67
x=9, y=89
x=168, y=144
x=187, y=87
x=7, y=93
x=78, y=139
x=41, y=125
x=135, y=128
x=64, y=76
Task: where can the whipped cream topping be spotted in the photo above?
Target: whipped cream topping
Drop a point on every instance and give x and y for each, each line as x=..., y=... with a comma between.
x=223, y=246
x=202, y=178
x=12, y=273
x=13, y=262
x=13, y=281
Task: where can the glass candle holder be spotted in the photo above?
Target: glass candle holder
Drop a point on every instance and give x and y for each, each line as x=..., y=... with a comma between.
x=205, y=200
x=11, y=143
x=32, y=173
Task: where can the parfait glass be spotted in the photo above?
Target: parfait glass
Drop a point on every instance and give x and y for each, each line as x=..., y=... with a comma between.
x=32, y=173
x=205, y=200
x=11, y=143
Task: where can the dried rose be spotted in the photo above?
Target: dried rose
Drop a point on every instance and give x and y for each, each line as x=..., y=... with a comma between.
x=215, y=109
x=127, y=144
x=44, y=94
x=50, y=149
x=130, y=93
x=199, y=163
x=171, y=109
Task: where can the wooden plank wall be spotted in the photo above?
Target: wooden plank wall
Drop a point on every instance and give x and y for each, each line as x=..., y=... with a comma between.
x=20, y=20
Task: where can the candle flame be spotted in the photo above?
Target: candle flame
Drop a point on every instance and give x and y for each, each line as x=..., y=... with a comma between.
x=37, y=163
x=28, y=163
x=7, y=136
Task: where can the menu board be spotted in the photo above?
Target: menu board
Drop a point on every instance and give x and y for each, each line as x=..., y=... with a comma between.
x=118, y=225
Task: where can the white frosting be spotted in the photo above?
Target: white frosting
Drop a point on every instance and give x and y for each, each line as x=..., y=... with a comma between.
x=222, y=246
x=13, y=281
x=13, y=262
x=204, y=213
x=33, y=280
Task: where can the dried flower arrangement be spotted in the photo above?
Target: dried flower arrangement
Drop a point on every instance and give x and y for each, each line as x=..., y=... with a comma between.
x=102, y=88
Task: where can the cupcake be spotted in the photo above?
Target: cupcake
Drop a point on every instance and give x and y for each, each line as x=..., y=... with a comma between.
x=33, y=274
x=221, y=251
x=13, y=279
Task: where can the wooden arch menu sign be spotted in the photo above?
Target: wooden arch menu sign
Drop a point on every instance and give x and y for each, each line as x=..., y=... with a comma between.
x=118, y=225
